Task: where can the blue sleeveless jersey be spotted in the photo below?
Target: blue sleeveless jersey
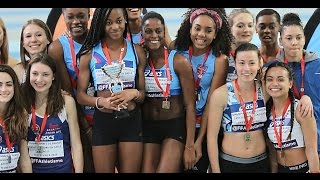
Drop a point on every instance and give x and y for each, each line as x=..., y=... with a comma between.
x=137, y=38
x=88, y=110
x=53, y=153
x=151, y=88
x=127, y=75
x=5, y=165
x=206, y=79
x=233, y=118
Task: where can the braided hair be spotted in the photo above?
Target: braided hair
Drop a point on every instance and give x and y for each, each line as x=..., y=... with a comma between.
x=97, y=32
x=220, y=45
x=97, y=29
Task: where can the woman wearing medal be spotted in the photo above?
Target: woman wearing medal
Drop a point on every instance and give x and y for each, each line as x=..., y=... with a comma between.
x=305, y=64
x=205, y=39
x=169, y=107
x=54, y=136
x=117, y=67
x=13, y=124
x=294, y=138
x=239, y=108
x=63, y=51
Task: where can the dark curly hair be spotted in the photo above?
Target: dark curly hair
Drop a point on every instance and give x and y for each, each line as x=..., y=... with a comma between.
x=220, y=45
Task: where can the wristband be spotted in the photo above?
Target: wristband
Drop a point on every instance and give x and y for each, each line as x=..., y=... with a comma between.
x=99, y=108
x=138, y=95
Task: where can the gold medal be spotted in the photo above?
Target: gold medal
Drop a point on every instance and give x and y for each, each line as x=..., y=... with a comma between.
x=247, y=137
x=166, y=104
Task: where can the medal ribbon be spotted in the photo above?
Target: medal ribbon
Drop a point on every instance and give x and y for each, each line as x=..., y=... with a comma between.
x=6, y=135
x=74, y=62
x=106, y=52
x=232, y=54
x=200, y=72
x=295, y=89
x=279, y=134
x=43, y=124
x=166, y=92
x=248, y=122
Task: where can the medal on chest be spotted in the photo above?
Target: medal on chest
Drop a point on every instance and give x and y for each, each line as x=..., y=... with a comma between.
x=247, y=137
x=166, y=104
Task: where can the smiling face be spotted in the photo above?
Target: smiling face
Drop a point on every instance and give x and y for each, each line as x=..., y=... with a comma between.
x=6, y=87
x=115, y=24
x=278, y=82
x=76, y=20
x=247, y=65
x=153, y=33
x=34, y=39
x=202, y=32
x=41, y=77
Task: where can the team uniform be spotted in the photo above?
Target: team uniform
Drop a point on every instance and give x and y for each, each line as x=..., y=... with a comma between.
x=233, y=122
x=106, y=128
x=71, y=64
x=155, y=131
x=8, y=164
x=296, y=139
x=311, y=81
x=231, y=69
x=52, y=154
x=203, y=89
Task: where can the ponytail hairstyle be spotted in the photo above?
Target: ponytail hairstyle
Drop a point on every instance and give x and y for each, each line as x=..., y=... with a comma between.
x=290, y=19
